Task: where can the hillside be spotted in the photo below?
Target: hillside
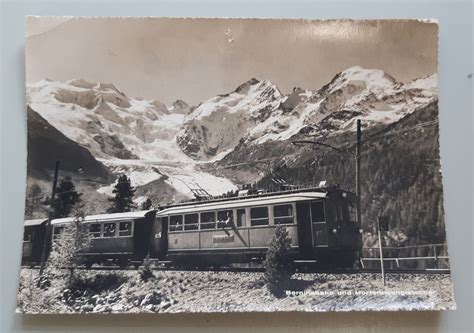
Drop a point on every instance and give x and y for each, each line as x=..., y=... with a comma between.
x=400, y=173
x=46, y=145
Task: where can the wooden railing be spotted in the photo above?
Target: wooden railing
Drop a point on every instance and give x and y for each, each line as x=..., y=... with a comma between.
x=395, y=256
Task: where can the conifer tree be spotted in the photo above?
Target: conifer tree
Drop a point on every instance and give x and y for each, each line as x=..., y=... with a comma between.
x=66, y=198
x=68, y=244
x=123, y=199
x=277, y=263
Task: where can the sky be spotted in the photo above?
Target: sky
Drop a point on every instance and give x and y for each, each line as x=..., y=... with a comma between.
x=195, y=59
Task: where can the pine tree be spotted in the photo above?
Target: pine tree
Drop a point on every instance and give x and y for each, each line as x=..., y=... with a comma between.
x=66, y=198
x=277, y=263
x=68, y=245
x=123, y=199
x=146, y=205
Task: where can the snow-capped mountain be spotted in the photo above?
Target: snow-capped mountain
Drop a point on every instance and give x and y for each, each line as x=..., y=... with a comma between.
x=128, y=135
x=103, y=119
x=216, y=126
x=258, y=112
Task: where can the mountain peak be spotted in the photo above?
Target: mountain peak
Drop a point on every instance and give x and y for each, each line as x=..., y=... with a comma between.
x=244, y=87
x=427, y=82
x=180, y=104
x=81, y=83
x=357, y=73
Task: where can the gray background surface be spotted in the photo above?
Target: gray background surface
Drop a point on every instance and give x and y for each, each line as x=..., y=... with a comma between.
x=455, y=74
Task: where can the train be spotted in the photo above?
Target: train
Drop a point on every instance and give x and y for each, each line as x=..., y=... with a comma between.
x=321, y=222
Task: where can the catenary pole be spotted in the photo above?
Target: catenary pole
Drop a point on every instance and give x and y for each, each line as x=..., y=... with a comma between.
x=381, y=249
x=47, y=235
x=358, y=184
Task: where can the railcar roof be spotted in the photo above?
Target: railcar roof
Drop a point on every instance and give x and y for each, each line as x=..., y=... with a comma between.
x=244, y=202
x=105, y=217
x=299, y=189
x=33, y=222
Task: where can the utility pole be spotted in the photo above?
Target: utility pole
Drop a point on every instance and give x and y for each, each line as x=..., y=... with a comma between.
x=358, y=190
x=379, y=218
x=47, y=235
x=357, y=156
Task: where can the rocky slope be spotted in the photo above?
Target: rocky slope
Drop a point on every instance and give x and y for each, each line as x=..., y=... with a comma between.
x=46, y=145
x=257, y=112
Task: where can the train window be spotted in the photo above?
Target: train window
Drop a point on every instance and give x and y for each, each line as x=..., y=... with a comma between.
x=317, y=211
x=352, y=207
x=259, y=216
x=110, y=229
x=176, y=223
x=95, y=230
x=208, y=220
x=191, y=222
x=241, y=218
x=125, y=229
x=225, y=218
x=283, y=214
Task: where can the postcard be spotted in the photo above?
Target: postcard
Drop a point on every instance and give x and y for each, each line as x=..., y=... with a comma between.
x=232, y=165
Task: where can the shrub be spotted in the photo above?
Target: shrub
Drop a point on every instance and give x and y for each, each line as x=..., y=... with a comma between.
x=145, y=271
x=278, y=266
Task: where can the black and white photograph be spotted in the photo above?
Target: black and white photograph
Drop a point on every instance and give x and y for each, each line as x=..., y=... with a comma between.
x=232, y=165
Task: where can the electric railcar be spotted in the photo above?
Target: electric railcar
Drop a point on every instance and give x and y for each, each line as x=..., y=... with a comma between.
x=320, y=221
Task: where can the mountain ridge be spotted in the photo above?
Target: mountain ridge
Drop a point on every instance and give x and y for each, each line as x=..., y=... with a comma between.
x=260, y=112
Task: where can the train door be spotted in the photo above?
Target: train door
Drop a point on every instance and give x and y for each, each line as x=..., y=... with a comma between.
x=318, y=224
x=141, y=232
x=159, y=238
x=304, y=229
x=164, y=236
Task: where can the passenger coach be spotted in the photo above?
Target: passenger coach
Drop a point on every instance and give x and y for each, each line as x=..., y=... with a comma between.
x=123, y=237
x=33, y=238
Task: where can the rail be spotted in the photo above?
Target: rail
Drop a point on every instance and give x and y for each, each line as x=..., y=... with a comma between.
x=393, y=254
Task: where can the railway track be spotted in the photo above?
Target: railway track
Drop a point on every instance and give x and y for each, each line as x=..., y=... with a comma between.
x=261, y=269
